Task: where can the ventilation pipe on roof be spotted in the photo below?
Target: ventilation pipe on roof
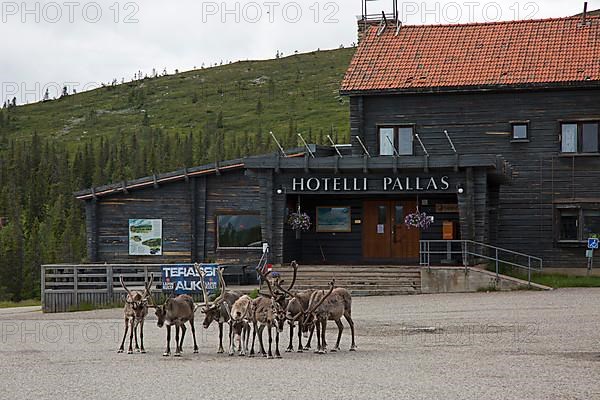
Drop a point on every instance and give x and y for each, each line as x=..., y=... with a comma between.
x=584, y=15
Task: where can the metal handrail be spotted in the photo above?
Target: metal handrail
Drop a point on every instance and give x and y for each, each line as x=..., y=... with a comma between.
x=471, y=249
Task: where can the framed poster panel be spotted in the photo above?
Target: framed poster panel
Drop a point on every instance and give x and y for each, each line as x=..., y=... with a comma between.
x=145, y=237
x=334, y=219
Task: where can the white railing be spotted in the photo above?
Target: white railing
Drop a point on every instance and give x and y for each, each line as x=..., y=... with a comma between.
x=471, y=252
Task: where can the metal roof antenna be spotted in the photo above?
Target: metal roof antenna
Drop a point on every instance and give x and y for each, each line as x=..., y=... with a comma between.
x=450, y=141
x=365, y=151
x=335, y=146
x=382, y=24
x=307, y=146
x=422, y=145
x=278, y=144
x=398, y=26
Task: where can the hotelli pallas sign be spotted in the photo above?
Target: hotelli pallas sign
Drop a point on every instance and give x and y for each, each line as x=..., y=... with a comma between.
x=365, y=184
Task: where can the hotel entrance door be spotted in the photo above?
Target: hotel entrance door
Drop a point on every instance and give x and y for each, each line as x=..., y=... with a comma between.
x=384, y=234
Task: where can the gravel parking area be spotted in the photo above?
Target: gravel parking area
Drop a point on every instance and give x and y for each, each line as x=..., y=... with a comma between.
x=519, y=345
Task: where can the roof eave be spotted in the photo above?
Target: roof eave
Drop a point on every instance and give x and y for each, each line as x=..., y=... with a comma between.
x=474, y=88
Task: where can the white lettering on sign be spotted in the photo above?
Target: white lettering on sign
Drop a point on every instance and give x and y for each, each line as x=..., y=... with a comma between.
x=387, y=184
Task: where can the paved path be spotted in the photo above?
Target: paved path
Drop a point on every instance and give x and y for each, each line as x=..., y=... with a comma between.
x=520, y=345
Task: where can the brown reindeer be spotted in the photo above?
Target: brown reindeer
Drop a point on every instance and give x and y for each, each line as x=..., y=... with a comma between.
x=135, y=312
x=177, y=311
x=241, y=315
x=294, y=312
x=219, y=309
x=268, y=312
x=330, y=306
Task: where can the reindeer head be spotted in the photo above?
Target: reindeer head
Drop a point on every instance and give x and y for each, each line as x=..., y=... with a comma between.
x=211, y=310
x=161, y=313
x=278, y=314
x=137, y=301
x=309, y=317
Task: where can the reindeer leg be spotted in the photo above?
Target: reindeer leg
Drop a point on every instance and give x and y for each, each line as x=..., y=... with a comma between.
x=168, y=351
x=323, y=331
x=351, y=323
x=231, y=341
x=253, y=338
x=183, y=331
x=318, y=329
x=122, y=348
x=135, y=334
x=310, y=336
x=142, y=350
x=291, y=345
x=340, y=330
x=261, y=328
x=130, y=351
x=300, y=348
x=194, y=335
x=277, y=353
x=220, y=350
x=177, y=352
x=269, y=328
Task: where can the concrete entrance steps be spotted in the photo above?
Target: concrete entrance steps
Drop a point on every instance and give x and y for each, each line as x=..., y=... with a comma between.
x=360, y=280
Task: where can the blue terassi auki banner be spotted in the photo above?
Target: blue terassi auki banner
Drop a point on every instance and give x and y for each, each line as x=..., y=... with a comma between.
x=183, y=278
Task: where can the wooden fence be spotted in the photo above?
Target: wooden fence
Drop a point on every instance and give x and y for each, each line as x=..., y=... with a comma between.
x=68, y=287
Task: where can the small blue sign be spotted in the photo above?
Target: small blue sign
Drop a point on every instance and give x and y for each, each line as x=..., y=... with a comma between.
x=593, y=243
x=184, y=279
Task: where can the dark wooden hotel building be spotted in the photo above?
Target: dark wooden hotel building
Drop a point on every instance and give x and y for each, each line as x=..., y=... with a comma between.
x=491, y=128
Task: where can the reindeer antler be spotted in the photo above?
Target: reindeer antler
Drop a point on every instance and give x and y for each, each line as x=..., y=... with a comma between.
x=331, y=286
x=202, y=274
x=278, y=284
x=294, y=265
x=221, y=297
x=125, y=287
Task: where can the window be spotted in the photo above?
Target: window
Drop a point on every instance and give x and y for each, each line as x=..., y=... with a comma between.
x=580, y=137
x=578, y=222
x=238, y=231
x=520, y=131
x=398, y=138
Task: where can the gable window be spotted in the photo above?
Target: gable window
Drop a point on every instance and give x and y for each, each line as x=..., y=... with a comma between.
x=578, y=222
x=396, y=140
x=580, y=138
x=239, y=231
x=520, y=131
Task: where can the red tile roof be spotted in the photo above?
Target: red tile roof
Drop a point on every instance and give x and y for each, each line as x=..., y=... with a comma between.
x=548, y=51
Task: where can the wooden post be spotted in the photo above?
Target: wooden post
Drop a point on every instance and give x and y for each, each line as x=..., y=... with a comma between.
x=109, y=282
x=75, y=286
x=43, y=288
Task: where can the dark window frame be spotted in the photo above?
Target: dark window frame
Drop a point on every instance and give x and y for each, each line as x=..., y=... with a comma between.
x=219, y=213
x=580, y=209
x=514, y=139
x=396, y=128
x=579, y=135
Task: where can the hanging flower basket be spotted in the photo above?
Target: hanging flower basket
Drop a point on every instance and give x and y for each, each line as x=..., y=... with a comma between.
x=418, y=220
x=299, y=221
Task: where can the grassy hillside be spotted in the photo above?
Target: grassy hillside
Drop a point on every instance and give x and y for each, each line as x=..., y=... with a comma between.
x=300, y=90
x=49, y=150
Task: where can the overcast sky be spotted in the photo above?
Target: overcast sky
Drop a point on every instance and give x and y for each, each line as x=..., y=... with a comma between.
x=83, y=43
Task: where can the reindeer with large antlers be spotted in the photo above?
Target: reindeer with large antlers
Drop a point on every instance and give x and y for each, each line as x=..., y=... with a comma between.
x=294, y=312
x=177, y=311
x=330, y=306
x=269, y=313
x=220, y=309
x=135, y=312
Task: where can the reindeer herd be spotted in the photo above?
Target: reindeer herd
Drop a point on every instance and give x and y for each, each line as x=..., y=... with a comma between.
x=308, y=310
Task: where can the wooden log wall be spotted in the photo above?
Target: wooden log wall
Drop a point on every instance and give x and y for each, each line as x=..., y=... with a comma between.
x=479, y=123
